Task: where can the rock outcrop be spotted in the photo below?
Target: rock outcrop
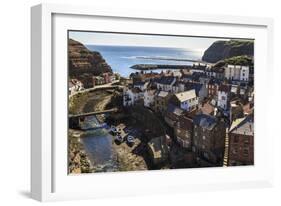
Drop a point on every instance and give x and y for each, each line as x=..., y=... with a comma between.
x=220, y=50
x=83, y=63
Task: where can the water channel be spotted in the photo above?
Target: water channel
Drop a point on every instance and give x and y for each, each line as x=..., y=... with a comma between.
x=98, y=145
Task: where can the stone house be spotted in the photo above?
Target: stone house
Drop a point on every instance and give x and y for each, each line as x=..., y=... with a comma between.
x=158, y=150
x=209, y=138
x=98, y=80
x=183, y=131
x=212, y=87
x=132, y=96
x=172, y=115
x=161, y=100
x=241, y=141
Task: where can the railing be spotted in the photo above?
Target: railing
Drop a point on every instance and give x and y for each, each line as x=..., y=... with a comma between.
x=92, y=113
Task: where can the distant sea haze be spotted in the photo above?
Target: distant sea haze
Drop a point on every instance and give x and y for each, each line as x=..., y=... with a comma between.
x=121, y=58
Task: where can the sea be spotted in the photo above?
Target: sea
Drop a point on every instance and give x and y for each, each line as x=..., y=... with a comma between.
x=121, y=58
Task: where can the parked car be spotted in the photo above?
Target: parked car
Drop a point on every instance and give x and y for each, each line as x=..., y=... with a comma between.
x=130, y=140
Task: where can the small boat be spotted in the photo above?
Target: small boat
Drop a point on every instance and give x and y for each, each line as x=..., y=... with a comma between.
x=119, y=138
x=113, y=130
x=130, y=140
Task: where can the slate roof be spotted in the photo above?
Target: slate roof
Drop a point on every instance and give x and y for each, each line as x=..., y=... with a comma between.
x=185, y=123
x=139, y=83
x=244, y=126
x=168, y=80
x=214, y=81
x=196, y=86
x=175, y=110
x=205, y=121
x=136, y=90
x=163, y=94
x=184, y=96
x=217, y=69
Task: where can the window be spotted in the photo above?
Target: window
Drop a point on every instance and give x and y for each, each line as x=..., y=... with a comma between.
x=193, y=149
x=206, y=155
x=234, y=151
x=246, y=152
x=203, y=137
x=246, y=141
x=236, y=139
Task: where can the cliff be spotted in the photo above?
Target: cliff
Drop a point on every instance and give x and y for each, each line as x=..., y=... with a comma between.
x=220, y=50
x=83, y=62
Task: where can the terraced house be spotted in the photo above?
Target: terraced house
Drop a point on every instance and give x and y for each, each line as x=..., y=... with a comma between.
x=184, y=131
x=209, y=138
x=241, y=141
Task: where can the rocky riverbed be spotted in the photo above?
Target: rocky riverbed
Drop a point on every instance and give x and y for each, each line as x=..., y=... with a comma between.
x=78, y=161
x=88, y=152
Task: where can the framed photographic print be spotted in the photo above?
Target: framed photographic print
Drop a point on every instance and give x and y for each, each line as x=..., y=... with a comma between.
x=143, y=102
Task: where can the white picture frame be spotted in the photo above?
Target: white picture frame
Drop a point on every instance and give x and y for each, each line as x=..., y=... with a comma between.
x=49, y=179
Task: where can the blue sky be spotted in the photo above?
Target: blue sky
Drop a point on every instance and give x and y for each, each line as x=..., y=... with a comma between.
x=99, y=38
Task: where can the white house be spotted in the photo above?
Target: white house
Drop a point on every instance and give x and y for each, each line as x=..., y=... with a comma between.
x=223, y=96
x=149, y=97
x=232, y=72
x=74, y=86
x=244, y=73
x=237, y=72
x=178, y=87
x=177, y=73
x=166, y=83
x=141, y=85
x=131, y=96
x=187, y=100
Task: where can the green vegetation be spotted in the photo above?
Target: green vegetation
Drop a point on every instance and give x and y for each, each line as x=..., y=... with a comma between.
x=76, y=101
x=221, y=50
x=237, y=60
x=239, y=43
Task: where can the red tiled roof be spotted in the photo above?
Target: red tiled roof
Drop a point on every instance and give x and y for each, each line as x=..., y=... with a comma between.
x=207, y=108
